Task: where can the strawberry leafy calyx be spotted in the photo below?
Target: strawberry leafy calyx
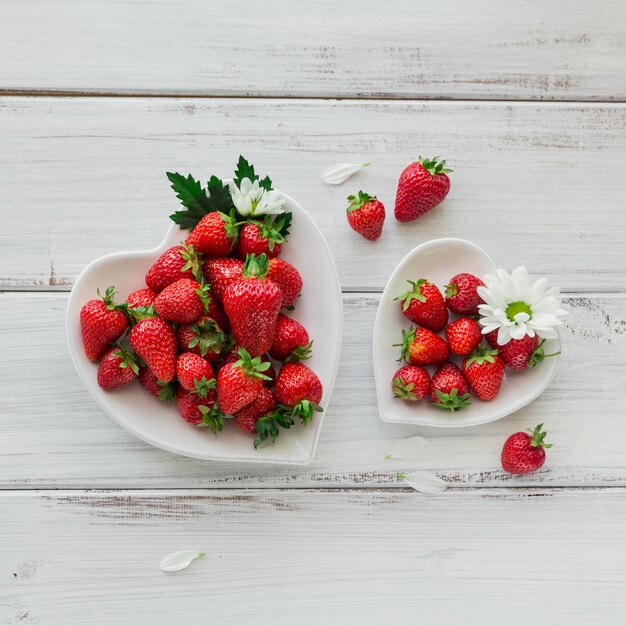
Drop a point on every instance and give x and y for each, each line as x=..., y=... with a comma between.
x=203, y=386
x=356, y=202
x=481, y=356
x=108, y=297
x=127, y=359
x=213, y=417
x=252, y=366
x=246, y=170
x=197, y=200
x=138, y=313
x=255, y=266
x=539, y=355
x=452, y=401
x=451, y=290
x=204, y=293
x=301, y=353
x=408, y=336
x=413, y=294
x=207, y=336
x=538, y=436
x=193, y=260
x=231, y=226
x=167, y=393
x=434, y=166
x=403, y=390
x=304, y=410
x=274, y=230
x=267, y=426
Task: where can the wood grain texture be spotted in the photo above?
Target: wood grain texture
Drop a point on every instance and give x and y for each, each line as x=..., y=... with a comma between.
x=57, y=436
x=303, y=557
x=539, y=184
x=564, y=49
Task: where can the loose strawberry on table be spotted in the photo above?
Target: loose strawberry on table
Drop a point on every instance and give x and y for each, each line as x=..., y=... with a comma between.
x=252, y=304
x=422, y=186
x=154, y=341
x=461, y=294
x=175, y=263
x=423, y=304
x=421, y=346
x=449, y=389
x=299, y=389
x=410, y=383
x=464, y=336
x=101, y=323
x=523, y=453
x=484, y=371
x=366, y=215
x=287, y=277
x=239, y=383
x=117, y=368
x=291, y=341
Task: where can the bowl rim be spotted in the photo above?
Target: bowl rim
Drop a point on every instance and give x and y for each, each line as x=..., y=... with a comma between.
x=515, y=406
x=161, y=247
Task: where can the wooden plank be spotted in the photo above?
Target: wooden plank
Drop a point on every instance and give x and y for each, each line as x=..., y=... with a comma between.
x=565, y=49
x=312, y=557
x=54, y=435
x=534, y=183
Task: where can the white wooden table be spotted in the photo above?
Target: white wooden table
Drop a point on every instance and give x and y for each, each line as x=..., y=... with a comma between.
x=525, y=99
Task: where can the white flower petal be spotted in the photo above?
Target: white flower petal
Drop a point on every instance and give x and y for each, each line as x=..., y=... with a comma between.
x=424, y=482
x=180, y=560
x=406, y=447
x=504, y=335
x=339, y=173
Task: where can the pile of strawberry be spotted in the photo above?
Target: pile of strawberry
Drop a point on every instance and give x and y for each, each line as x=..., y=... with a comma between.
x=481, y=369
x=207, y=329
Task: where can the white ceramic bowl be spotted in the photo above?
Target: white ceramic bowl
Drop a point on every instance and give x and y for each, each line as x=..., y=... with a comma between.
x=438, y=261
x=319, y=308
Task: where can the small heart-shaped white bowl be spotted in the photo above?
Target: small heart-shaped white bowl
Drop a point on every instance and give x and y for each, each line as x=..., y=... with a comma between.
x=438, y=261
x=319, y=308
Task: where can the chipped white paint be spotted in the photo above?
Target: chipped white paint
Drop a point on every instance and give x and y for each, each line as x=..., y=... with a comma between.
x=562, y=49
x=522, y=188
x=310, y=557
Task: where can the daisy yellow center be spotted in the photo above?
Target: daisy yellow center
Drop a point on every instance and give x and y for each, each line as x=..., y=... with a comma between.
x=517, y=307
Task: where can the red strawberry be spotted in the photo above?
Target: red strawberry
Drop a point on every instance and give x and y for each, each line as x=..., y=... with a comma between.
x=261, y=237
x=204, y=337
x=239, y=383
x=448, y=389
x=200, y=411
x=299, y=389
x=192, y=370
x=421, y=346
x=484, y=370
x=164, y=391
x=461, y=295
x=291, y=341
x=246, y=418
x=422, y=186
x=270, y=372
x=154, y=341
x=252, y=304
x=182, y=302
x=519, y=354
x=220, y=273
x=366, y=215
x=216, y=312
x=101, y=323
x=523, y=453
x=424, y=305
x=464, y=336
x=141, y=297
x=410, y=383
x=175, y=263
x=287, y=277
x=118, y=367
x=215, y=234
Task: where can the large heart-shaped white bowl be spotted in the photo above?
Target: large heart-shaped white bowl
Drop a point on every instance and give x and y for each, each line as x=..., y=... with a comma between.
x=438, y=261
x=319, y=308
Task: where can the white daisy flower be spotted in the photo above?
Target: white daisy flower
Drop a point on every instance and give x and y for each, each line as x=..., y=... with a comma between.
x=252, y=199
x=516, y=307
